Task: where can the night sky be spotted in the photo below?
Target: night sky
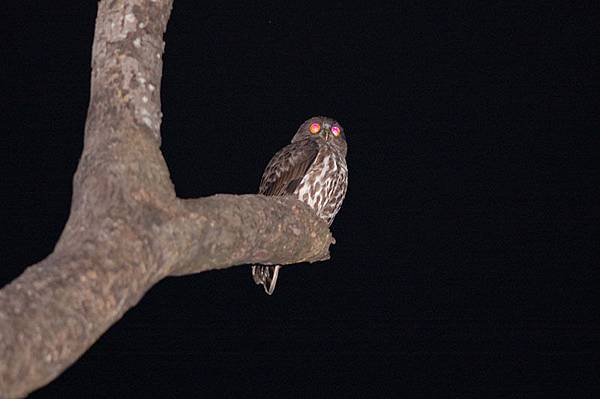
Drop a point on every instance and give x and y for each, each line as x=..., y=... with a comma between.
x=464, y=256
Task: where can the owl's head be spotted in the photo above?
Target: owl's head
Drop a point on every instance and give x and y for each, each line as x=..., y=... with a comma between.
x=322, y=128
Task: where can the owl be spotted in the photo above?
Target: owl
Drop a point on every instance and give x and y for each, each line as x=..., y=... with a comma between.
x=311, y=168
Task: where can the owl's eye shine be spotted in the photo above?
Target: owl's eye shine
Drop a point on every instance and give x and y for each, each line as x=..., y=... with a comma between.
x=336, y=131
x=315, y=128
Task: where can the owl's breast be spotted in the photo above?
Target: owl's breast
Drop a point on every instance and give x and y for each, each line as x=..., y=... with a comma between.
x=324, y=186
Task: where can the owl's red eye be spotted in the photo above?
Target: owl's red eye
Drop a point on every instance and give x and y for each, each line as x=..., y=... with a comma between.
x=335, y=130
x=315, y=128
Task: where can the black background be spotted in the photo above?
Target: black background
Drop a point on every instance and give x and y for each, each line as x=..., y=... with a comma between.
x=464, y=257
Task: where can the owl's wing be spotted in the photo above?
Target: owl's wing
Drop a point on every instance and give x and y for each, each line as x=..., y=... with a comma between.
x=282, y=176
x=287, y=168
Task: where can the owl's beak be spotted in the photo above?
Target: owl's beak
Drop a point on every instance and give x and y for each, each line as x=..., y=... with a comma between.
x=327, y=133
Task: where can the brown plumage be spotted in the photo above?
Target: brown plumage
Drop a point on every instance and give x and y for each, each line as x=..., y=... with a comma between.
x=312, y=168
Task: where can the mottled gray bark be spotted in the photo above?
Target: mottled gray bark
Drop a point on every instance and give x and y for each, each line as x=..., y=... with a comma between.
x=127, y=230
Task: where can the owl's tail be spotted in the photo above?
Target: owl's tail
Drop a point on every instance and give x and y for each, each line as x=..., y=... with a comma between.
x=267, y=276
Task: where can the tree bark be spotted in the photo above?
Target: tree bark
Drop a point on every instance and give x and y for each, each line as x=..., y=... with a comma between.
x=127, y=230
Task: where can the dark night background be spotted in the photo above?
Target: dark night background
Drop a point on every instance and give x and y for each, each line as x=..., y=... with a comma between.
x=464, y=257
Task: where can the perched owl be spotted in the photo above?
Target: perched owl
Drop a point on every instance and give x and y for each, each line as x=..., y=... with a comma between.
x=313, y=169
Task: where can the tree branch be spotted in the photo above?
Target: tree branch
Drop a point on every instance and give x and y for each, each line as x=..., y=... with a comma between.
x=226, y=230
x=127, y=230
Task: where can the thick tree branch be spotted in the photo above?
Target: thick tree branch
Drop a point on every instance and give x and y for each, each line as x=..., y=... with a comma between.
x=225, y=230
x=127, y=230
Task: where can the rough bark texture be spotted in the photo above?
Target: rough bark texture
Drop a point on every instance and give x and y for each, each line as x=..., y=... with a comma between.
x=127, y=230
